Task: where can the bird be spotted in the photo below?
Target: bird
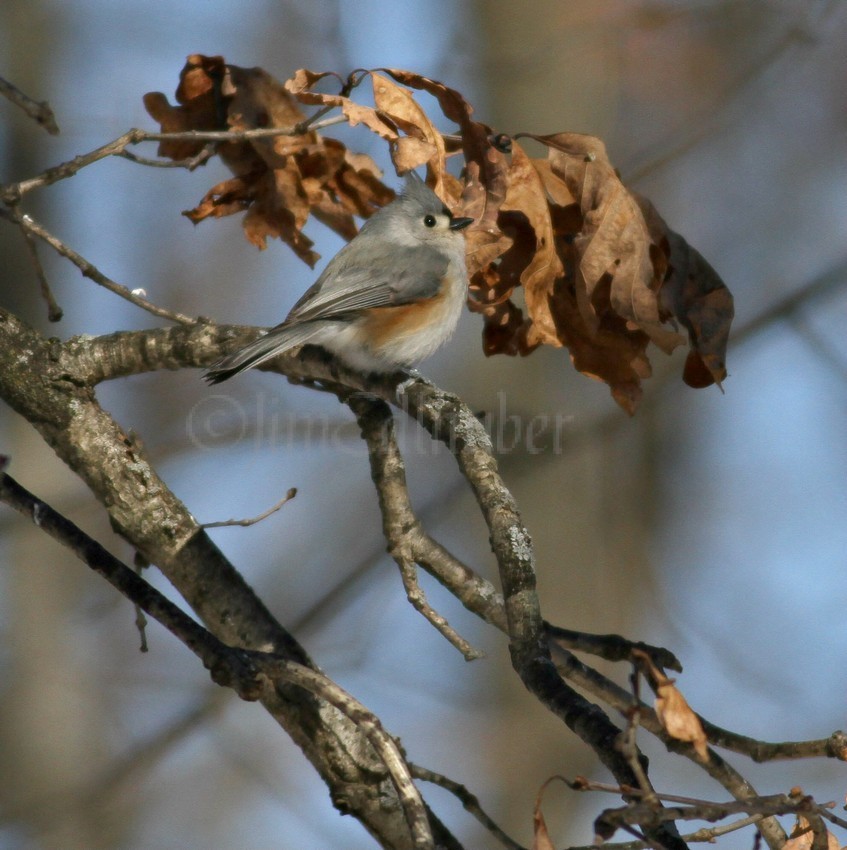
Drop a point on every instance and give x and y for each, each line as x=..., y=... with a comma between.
x=389, y=298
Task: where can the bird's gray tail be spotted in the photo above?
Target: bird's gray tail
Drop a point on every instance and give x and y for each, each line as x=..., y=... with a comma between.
x=275, y=342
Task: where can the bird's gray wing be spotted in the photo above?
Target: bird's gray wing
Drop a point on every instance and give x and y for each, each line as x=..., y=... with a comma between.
x=389, y=278
x=272, y=344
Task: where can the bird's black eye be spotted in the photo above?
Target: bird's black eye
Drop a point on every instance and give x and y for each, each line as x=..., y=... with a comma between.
x=429, y=220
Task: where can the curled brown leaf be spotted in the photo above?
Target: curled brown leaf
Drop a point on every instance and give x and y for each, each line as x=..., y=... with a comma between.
x=278, y=181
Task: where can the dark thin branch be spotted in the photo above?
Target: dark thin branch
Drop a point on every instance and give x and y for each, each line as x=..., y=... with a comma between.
x=189, y=163
x=716, y=767
x=468, y=800
x=644, y=814
x=237, y=669
x=40, y=112
x=13, y=192
x=611, y=647
x=237, y=672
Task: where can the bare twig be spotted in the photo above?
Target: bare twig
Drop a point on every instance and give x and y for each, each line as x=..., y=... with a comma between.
x=628, y=745
x=13, y=192
x=54, y=311
x=468, y=800
x=418, y=599
x=30, y=226
x=645, y=814
x=758, y=807
x=189, y=163
x=246, y=523
x=40, y=112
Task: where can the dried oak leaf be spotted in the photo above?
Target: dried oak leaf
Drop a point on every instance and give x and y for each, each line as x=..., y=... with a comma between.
x=802, y=837
x=422, y=142
x=300, y=86
x=672, y=710
x=526, y=194
x=614, y=268
x=541, y=217
x=485, y=165
x=694, y=294
x=611, y=352
x=199, y=105
x=279, y=181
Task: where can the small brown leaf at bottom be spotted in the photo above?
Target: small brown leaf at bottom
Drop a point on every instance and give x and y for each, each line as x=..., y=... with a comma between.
x=802, y=837
x=541, y=837
x=673, y=712
x=679, y=720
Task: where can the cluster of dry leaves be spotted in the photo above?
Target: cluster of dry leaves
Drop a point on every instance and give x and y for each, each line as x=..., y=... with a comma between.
x=600, y=271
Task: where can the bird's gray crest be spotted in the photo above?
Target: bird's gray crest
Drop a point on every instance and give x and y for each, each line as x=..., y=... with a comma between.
x=417, y=191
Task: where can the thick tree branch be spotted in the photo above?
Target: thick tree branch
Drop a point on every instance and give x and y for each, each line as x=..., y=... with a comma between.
x=233, y=668
x=49, y=390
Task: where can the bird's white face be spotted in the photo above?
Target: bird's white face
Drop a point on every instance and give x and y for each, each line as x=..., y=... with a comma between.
x=434, y=227
x=414, y=225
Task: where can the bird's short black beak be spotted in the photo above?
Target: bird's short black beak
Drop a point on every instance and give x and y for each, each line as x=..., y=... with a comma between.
x=460, y=223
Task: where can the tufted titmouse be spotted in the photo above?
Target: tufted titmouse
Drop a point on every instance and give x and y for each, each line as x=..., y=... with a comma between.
x=388, y=298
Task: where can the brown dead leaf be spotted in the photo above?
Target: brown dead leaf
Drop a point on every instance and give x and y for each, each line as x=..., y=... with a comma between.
x=694, y=294
x=198, y=99
x=802, y=837
x=614, y=242
x=526, y=195
x=612, y=352
x=279, y=181
x=422, y=142
x=486, y=165
x=540, y=835
x=541, y=218
x=672, y=710
x=300, y=85
x=679, y=720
